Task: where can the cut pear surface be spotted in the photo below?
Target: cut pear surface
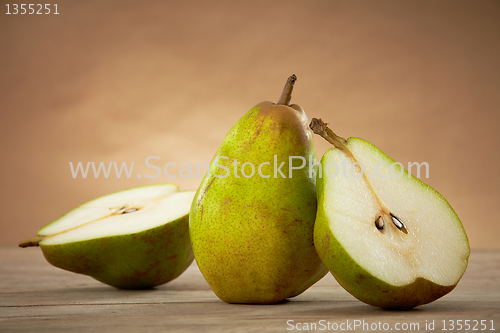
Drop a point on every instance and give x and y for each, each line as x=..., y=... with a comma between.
x=435, y=247
x=120, y=213
x=132, y=239
x=389, y=239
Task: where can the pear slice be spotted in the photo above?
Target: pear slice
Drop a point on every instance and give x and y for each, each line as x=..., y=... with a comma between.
x=132, y=239
x=389, y=239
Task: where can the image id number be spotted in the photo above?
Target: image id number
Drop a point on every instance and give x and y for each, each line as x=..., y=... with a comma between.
x=468, y=325
x=31, y=9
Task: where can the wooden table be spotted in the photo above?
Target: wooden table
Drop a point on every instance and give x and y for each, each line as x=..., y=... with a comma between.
x=37, y=297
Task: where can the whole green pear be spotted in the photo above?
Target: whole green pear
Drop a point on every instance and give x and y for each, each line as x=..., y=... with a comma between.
x=252, y=219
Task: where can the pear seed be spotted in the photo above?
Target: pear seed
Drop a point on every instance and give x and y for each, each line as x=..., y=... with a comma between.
x=131, y=210
x=397, y=222
x=379, y=223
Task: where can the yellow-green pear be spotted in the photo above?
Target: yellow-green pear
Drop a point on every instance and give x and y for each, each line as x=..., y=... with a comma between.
x=252, y=218
x=132, y=239
x=389, y=239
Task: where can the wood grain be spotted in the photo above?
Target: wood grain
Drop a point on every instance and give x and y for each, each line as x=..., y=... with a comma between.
x=35, y=296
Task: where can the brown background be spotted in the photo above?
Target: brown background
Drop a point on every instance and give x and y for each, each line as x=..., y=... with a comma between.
x=118, y=81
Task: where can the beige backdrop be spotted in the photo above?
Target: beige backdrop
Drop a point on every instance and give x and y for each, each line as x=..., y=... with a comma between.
x=118, y=81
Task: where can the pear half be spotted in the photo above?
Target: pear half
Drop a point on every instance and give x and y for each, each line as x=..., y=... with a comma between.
x=389, y=239
x=132, y=239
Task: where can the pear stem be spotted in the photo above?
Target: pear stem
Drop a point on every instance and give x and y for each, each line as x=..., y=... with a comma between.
x=319, y=127
x=33, y=241
x=286, y=95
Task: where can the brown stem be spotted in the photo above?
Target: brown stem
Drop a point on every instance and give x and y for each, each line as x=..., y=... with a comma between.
x=319, y=127
x=33, y=241
x=286, y=95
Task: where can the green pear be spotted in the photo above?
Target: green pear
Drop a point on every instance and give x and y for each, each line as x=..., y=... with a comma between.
x=132, y=239
x=389, y=239
x=252, y=218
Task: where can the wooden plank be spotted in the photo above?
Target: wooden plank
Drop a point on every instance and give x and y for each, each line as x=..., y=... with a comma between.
x=36, y=296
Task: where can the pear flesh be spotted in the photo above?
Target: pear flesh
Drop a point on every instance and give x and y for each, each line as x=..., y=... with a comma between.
x=252, y=237
x=389, y=239
x=132, y=239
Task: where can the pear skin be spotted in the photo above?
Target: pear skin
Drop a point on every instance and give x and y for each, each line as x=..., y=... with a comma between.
x=138, y=261
x=252, y=237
